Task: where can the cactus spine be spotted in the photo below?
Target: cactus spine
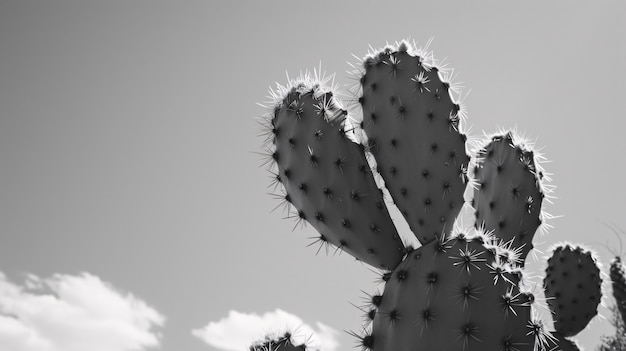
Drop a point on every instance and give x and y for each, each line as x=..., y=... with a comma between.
x=462, y=289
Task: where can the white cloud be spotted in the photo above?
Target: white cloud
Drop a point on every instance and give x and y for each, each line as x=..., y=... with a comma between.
x=73, y=313
x=239, y=330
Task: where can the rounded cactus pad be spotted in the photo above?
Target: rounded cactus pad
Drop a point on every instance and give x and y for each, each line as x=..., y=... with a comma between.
x=326, y=176
x=453, y=295
x=281, y=343
x=412, y=128
x=618, y=283
x=573, y=288
x=508, y=194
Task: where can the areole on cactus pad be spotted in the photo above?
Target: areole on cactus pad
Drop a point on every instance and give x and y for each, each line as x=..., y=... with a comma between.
x=463, y=289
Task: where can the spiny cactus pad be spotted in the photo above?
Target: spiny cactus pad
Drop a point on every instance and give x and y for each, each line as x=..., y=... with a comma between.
x=573, y=288
x=508, y=195
x=412, y=128
x=326, y=175
x=453, y=295
x=618, y=283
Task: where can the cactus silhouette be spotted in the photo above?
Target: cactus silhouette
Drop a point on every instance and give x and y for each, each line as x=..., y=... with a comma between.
x=463, y=288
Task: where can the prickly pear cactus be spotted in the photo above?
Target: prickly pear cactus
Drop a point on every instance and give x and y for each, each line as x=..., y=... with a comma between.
x=463, y=289
x=282, y=343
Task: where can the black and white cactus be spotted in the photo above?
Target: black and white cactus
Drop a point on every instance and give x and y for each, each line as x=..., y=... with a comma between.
x=463, y=288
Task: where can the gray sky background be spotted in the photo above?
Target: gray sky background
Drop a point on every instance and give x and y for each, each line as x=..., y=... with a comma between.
x=128, y=138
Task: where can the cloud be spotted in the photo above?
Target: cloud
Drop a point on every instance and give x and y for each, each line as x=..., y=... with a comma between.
x=73, y=313
x=239, y=330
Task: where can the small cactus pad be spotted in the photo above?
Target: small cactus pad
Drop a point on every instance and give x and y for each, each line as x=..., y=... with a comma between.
x=412, y=128
x=508, y=195
x=282, y=343
x=618, y=283
x=452, y=295
x=573, y=288
x=327, y=178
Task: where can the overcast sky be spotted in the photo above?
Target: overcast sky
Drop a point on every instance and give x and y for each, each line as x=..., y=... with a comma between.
x=134, y=213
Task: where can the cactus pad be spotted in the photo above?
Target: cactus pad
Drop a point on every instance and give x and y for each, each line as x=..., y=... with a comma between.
x=573, y=288
x=508, y=195
x=327, y=178
x=453, y=295
x=412, y=127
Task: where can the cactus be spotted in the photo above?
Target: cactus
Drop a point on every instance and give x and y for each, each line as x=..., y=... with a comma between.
x=281, y=343
x=462, y=289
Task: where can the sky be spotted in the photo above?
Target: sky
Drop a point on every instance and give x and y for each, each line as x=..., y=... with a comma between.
x=134, y=210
